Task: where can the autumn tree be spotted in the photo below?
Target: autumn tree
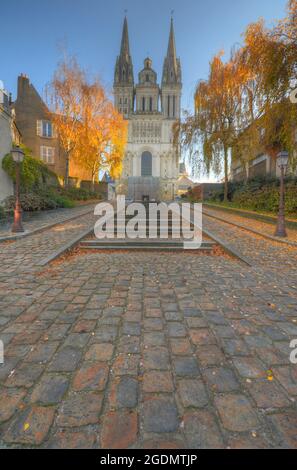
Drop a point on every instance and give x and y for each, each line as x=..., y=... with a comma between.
x=91, y=132
x=102, y=133
x=213, y=129
x=65, y=99
x=244, y=105
x=270, y=55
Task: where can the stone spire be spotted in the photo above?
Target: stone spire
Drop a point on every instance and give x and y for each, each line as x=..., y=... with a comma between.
x=171, y=51
x=171, y=67
x=125, y=50
x=124, y=67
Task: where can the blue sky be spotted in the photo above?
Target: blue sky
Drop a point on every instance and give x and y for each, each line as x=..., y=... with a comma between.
x=33, y=33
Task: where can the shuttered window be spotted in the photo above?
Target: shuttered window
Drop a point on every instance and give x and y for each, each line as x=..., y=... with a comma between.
x=45, y=128
x=47, y=154
x=39, y=128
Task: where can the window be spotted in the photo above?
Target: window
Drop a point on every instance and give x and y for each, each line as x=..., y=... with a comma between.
x=146, y=164
x=173, y=111
x=47, y=154
x=151, y=103
x=45, y=128
x=168, y=106
x=143, y=104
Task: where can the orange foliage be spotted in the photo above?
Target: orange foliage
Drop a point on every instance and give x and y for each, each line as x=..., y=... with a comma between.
x=92, y=133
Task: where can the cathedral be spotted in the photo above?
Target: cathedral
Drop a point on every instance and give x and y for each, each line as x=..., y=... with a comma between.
x=151, y=161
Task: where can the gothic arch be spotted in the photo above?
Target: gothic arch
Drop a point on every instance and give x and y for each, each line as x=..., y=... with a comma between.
x=146, y=164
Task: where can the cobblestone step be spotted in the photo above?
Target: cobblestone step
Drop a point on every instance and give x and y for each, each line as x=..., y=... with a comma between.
x=145, y=244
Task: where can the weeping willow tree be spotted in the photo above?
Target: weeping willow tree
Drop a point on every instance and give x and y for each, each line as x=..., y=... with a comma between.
x=271, y=57
x=209, y=135
x=244, y=105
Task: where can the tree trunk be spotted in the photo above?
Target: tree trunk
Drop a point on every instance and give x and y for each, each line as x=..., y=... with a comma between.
x=226, y=174
x=66, y=182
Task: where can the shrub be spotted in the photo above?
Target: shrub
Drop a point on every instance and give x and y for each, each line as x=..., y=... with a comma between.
x=78, y=194
x=34, y=173
x=261, y=194
x=2, y=213
x=40, y=188
x=63, y=201
x=36, y=202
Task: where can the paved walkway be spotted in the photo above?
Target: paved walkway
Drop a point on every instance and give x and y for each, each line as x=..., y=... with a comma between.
x=148, y=349
x=42, y=219
x=265, y=228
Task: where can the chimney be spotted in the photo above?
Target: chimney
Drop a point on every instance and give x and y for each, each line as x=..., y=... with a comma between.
x=23, y=85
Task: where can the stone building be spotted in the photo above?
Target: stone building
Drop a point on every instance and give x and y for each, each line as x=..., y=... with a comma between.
x=184, y=183
x=34, y=120
x=151, y=161
x=9, y=135
x=261, y=162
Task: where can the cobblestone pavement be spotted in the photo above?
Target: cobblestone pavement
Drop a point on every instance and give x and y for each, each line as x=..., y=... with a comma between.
x=259, y=225
x=148, y=350
x=42, y=219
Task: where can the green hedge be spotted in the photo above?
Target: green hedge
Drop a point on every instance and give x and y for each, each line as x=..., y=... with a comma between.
x=77, y=194
x=260, y=194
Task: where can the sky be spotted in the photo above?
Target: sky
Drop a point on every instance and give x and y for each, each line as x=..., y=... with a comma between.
x=34, y=34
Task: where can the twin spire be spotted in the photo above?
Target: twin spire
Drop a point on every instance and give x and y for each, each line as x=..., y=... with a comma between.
x=171, y=51
x=124, y=66
x=125, y=49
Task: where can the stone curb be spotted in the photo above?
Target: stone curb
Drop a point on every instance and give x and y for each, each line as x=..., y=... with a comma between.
x=45, y=227
x=227, y=247
x=246, y=213
x=56, y=254
x=256, y=232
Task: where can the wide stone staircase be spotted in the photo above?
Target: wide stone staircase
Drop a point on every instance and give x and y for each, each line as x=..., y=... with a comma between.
x=158, y=236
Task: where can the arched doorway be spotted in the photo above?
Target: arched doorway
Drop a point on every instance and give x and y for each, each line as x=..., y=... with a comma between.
x=146, y=164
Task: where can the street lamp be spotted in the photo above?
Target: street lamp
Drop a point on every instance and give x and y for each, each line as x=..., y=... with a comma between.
x=18, y=157
x=282, y=162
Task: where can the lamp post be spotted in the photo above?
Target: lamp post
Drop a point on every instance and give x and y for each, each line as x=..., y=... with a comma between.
x=18, y=157
x=282, y=162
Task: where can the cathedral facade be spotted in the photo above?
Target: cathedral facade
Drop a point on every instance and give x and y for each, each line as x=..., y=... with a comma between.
x=151, y=161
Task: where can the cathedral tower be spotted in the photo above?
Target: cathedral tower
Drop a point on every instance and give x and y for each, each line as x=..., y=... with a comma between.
x=151, y=160
x=123, y=77
x=171, y=80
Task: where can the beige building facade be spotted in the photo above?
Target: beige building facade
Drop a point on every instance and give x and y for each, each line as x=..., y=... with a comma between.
x=9, y=135
x=151, y=161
